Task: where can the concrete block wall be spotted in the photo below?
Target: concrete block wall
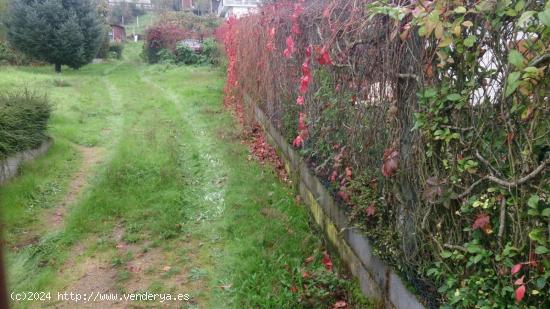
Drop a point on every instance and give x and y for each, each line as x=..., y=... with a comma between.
x=376, y=279
x=10, y=166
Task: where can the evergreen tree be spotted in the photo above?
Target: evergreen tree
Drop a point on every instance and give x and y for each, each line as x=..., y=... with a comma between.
x=61, y=32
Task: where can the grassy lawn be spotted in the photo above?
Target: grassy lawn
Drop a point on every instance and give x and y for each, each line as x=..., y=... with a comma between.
x=171, y=205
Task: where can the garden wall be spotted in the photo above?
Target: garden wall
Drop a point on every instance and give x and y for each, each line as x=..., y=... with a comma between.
x=377, y=280
x=10, y=165
x=428, y=122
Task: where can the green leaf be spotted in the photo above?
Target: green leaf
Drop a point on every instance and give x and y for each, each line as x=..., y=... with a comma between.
x=525, y=17
x=470, y=41
x=541, y=282
x=460, y=10
x=446, y=254
x=541, y=250
x=544, y=17
x=454, y=97
x=545, y=212
x=512, y=83
x=533, y=201
x=516, y=58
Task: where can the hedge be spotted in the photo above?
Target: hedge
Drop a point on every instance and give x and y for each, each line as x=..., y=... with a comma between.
x=430, y=123
x=23, y=121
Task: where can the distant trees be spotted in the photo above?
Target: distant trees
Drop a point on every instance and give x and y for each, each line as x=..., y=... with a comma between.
x=124, y=12
x=61, y=32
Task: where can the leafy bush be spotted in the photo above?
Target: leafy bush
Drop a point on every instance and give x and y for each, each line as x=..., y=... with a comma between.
x=166, y=57
x=23, y=121
x=174, y=27
x=211, y=51
x=161, y=36
x=115, y=50
x=10, y=56
x=185, y=55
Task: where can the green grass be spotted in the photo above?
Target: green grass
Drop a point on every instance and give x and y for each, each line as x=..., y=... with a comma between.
x=175, y=178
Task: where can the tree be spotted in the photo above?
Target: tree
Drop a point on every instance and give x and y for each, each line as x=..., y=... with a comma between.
x=61, y=32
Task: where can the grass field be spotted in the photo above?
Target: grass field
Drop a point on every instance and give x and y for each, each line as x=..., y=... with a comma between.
x=148, y=188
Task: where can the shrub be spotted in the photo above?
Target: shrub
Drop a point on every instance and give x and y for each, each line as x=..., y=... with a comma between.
x=23, y=121
x=10, y=56
x=161, y=36
x=115, y=50
x=166, y=57
x=185, y=55
x=211, y=51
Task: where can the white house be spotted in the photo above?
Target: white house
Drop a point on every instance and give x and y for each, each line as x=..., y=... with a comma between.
x=143, y=4
x=237, y=8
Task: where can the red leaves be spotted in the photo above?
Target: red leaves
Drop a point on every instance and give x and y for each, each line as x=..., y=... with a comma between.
x=515, y=269
x=306, y=76
x=520, y=293
x=303, y=132
x=324, y=57
x=391, y=162
x=298, y=9
x=482, y=220
x=289, y=47
x=327, y=261
x=300, y=100
x=304, y=84
x=371, y=210
x=271, y=36
x=298, y=142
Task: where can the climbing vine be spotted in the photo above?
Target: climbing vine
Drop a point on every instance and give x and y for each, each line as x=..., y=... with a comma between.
x=430, y=122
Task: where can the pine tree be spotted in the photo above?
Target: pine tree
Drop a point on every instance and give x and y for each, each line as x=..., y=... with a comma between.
x=61, y=32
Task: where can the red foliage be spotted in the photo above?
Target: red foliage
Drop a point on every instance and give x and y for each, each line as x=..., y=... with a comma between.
x=265, y=152
x=289, y=47
x=324, y=57
x=371, y=210
x=165, y=36
x=515, y=269
x=327, y=261
x=391, y=162
x=520, y=293
x=481, y=222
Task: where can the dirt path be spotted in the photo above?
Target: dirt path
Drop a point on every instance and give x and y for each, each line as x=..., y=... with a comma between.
x=91, y=157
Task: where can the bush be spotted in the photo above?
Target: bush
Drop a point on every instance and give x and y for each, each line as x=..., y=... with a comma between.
x=161, y=36
x=185, y=55
x=165, y=56
x=211, y=51
x=10, y=56
x=115, y=50
x=23, y=121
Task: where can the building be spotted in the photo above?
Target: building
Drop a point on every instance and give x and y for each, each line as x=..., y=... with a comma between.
x=117, y=33
x=142, y=4
x=237, y=8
